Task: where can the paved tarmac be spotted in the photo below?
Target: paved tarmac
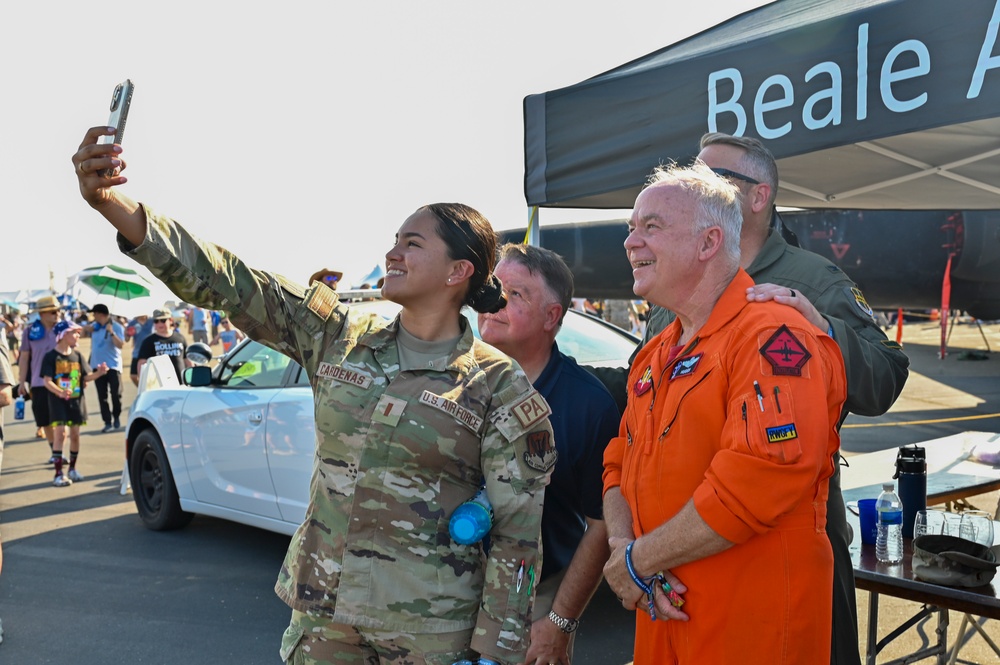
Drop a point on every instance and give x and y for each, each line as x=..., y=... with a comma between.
x=85, y=583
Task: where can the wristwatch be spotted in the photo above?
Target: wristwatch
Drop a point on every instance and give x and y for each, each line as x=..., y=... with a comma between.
x=564, y=624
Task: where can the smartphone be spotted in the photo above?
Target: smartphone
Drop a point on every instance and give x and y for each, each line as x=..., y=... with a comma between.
x=121, y=99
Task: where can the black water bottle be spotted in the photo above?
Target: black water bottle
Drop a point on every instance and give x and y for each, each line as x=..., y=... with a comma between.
x=911, y=472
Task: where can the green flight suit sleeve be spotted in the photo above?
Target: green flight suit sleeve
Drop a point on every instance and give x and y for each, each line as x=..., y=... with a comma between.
x=876, y=366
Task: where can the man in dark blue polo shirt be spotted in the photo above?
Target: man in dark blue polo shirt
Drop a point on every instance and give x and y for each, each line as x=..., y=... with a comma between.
x=584, y=418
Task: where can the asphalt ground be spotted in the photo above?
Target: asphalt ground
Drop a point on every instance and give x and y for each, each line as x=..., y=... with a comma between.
x=85, y=583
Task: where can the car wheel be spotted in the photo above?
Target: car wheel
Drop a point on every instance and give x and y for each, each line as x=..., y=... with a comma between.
x=153, y=485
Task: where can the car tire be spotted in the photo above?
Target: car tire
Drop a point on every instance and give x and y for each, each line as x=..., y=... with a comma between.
x=153, y=487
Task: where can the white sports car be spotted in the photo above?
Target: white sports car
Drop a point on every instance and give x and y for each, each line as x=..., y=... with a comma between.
x=241, y=448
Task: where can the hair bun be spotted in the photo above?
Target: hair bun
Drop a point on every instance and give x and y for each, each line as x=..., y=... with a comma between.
x=489, y=298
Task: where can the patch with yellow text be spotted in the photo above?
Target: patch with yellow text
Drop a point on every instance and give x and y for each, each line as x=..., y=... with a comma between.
x=782, y=433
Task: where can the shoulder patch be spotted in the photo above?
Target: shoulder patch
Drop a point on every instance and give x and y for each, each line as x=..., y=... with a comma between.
x=859, y=300
x=540, y=454
x=834, y=269
x=531, y=409
x=890, y=343
x=320, y=299
x=785, y=353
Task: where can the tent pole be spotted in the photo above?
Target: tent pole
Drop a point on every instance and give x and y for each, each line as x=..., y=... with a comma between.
x=531, y=234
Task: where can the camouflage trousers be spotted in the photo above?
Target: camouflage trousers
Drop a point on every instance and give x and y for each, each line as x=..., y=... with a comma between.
x=315, y=640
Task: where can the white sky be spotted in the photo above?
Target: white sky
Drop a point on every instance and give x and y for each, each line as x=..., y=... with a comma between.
x=297, y=134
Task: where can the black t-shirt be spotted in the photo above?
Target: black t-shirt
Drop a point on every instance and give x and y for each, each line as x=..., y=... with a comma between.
x=172, y=346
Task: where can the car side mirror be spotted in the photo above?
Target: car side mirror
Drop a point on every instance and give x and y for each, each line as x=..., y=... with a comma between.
x=198, y=376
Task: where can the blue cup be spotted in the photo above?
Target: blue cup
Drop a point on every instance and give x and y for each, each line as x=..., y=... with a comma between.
x=869, y=520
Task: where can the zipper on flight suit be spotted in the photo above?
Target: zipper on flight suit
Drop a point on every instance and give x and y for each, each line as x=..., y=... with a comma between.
x=678, y=409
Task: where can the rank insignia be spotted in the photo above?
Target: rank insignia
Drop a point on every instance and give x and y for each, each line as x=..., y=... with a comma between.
x=785, y=353
x=645, y=382
x=685, y=366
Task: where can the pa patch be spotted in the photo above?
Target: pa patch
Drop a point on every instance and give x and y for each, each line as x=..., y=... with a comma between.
x=782, y=433
x=685, y=366
x=785, y=353
x=645, y=382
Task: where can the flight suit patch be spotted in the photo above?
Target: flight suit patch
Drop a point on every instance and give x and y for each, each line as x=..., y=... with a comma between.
x=782, y=433
x=645, y=382
x=343, y=375
x=389, y=410
x=785, y=353
x=453, y=409
x=320, y=299
x=859, y=300
x=890, y=344
x=685, y=366
x=541, y=454
x=531, y=409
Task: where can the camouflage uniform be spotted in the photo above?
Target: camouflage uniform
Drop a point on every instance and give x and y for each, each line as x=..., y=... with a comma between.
x=396, y=453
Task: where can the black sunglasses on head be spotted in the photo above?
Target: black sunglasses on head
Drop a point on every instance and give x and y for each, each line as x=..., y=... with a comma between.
x=726, y=173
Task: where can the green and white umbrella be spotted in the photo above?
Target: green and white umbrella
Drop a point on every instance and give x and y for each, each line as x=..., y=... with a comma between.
x=123, y=290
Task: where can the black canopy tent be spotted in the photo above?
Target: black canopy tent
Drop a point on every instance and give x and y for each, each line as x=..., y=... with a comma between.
x=888, y=104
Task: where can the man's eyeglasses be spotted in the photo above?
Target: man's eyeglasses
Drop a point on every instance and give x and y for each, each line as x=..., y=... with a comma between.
x=726, y=173
x=160, y=320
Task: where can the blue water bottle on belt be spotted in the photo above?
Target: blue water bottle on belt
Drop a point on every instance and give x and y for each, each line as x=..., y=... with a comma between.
x=472, y=520
x=19, y=408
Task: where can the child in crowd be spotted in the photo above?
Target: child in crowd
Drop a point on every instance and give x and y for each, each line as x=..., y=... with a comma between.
x=66, y=373
x=229, y=335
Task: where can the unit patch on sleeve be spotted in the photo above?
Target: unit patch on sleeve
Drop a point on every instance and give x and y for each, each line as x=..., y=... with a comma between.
x=785, y=353
x=685, y=366
x=540, y=454
x=859, y=300
x=344, y=375
x=453, y=409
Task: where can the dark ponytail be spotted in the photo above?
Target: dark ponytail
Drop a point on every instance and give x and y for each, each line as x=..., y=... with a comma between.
x=469, y=236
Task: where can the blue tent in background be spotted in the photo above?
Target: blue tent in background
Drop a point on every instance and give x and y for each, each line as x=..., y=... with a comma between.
x=372, y=278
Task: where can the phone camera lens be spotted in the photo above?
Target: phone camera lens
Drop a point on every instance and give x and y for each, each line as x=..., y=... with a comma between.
x=116, y=97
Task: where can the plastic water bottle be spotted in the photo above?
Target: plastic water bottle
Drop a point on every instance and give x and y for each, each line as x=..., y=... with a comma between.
x=472, y=520
x=889, y=537
x=19, y=408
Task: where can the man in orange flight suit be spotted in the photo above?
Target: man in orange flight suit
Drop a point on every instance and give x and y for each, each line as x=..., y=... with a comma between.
x=718, y=478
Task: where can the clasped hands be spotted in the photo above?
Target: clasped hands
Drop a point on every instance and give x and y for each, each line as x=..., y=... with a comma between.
x=633, y=598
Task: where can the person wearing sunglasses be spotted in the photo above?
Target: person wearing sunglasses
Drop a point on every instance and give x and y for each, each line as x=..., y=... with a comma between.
x=165, y=340
x=412, y=417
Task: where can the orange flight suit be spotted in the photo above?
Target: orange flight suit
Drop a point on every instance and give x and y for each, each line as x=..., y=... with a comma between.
x=756, y=464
